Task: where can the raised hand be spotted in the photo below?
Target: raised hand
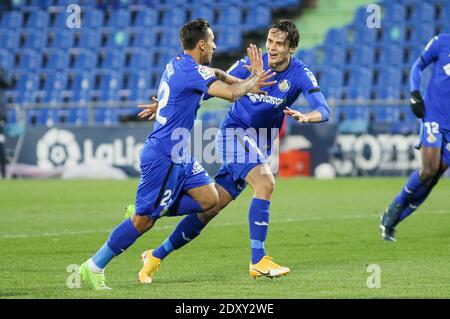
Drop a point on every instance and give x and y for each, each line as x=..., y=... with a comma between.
x=149, y=110
x=262, y=82
x=256, y=63
x=299, y=117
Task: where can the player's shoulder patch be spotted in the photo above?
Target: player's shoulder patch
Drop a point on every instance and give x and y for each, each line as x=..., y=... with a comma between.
x=204, y=72
x=311, y=76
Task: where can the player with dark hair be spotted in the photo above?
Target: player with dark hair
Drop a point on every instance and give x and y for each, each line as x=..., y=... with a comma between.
x=244, y=146
x=434, y=112
x=171, y=181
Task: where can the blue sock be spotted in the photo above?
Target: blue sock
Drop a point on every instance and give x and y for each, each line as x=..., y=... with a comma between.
x=415, y=201
x=186, y=230
x=184, y=205
x=258, y=220
x=103, y=256
x=413, y=185
x=122, y=237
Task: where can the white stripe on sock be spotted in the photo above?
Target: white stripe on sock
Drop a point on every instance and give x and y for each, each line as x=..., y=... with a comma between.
x=93, y=267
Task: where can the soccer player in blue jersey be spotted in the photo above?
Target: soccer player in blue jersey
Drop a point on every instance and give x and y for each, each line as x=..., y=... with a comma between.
x=434, y=145
x=244, y=145
x=171, y=181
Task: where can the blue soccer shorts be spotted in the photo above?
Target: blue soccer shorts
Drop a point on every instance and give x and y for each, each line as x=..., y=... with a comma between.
x=239, y=153
x=162, y=181
x=431, y=135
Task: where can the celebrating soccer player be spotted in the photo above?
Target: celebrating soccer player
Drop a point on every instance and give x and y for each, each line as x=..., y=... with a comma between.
x=245, y=141
x=434, y=145
x=172, y=182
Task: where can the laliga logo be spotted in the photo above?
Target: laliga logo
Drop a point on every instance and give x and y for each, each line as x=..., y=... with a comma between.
x=58, y=148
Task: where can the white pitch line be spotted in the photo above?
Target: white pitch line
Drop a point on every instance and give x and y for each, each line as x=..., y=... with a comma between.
x=224, y=224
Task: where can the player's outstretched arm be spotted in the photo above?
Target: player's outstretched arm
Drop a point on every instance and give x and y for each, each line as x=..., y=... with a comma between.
x=320, y=112
x=257, y=80
x=225, y=77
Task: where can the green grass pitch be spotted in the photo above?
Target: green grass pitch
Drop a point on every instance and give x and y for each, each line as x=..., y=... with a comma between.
x=325, y=231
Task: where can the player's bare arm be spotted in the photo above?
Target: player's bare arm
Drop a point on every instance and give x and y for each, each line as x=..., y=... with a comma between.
x=311, y=117
x=257, y=80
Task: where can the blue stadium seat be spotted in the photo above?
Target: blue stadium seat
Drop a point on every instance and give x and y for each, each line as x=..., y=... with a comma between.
x=335, y=36
x=226, y=39
x=335, y=55
x=108, y=83
x=136, y=85
x=6, y=59
x=146, y=18
x=229, y=15
x=106, y=116
x=81, y=84
x=78, y=116
x=393, y=32
x=119, y=19
x=9, y=39
x=113, y=59
x=331, y=82
x=84, y=59
x=260, y=16
x=144, y=39
x=55, y=59
x=392, y=55
x=89, y=39
x=41, y=117
x=424, y=12
x=12, y=20
x=28, y=59
x=93, y=18
x=363, y=35
x=422, y=32
x=62, y=39
x=170, y=39
x=38, y=20
x=139, y=59
x=117, y=38
x=203, y=11
x=174, y=17
x=25, y=85
x=394, y=12
x=363, y=55
x=35, y=40
x=55, y=83
x=360, y=83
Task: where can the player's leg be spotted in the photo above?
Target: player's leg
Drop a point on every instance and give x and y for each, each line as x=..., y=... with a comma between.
x=261, y=179
x=415, y=191
x=198, y=195
x=150, y=194
x=417, y=199
x=190, y=226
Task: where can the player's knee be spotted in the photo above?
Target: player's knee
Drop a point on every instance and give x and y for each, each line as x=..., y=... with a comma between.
x=209, y=201
x=266, y=188
x=142, y=223
x=429, y=171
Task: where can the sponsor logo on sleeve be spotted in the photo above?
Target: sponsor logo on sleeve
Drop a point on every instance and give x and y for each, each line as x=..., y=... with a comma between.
x=204, y=72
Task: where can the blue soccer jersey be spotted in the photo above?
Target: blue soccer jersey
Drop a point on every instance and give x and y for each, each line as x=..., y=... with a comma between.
x=437, y=97
x=266, y=111
x=166, y=171
x=240, y=141
x=180, y=93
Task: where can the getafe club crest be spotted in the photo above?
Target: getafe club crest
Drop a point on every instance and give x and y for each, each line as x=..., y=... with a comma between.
x=284, y=85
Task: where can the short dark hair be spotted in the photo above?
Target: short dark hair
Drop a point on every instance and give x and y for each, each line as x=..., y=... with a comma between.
x=292, y=32
x=192, y=32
